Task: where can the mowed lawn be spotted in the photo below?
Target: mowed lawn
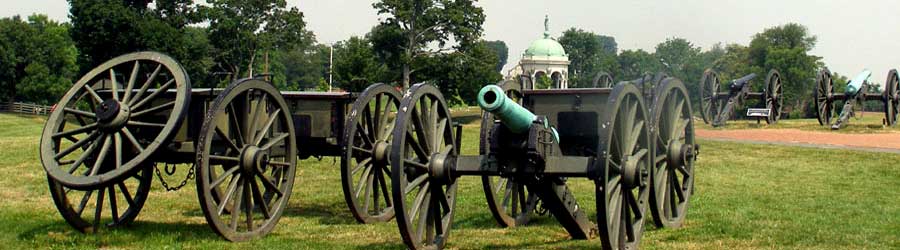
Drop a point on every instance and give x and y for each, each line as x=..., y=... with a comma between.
x=868, y=122
x=748, y=197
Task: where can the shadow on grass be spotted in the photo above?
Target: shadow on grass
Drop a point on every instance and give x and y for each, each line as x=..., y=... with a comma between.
x=329, y=214
x=135, y=230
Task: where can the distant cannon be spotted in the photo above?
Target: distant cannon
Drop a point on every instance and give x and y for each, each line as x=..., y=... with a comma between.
x=717, y=106
x=858, y=91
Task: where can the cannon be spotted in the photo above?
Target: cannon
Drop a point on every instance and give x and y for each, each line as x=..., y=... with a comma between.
x=533, y=143
x=858, y=91
x=717, y=105
x=121, y=120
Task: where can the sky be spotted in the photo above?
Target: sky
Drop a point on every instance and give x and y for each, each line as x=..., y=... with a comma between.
x=852, y=35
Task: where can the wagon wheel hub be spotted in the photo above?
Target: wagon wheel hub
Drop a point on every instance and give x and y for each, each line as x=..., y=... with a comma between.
x=253, y=160
x=678, y=154
x=631, y=172
x=381, y=151
x=112, y=115
x=439, y=167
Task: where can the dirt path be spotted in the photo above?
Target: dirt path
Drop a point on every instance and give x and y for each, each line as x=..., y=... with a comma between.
x=884, y=142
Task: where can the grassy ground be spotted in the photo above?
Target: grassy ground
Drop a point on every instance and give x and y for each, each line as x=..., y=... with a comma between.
x=870, y=122
x=749, y=197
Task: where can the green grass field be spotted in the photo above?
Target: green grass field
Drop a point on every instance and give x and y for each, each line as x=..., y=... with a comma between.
x=748, y=197
x=869, y=122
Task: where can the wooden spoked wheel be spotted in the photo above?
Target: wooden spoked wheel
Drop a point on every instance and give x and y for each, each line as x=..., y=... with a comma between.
x=509, y=201
x=365, y=173
x=114, y=205
x=422, y=156
x=623, y=187
x=674, y=154
x=710, y=107
x=891, y=98
x=603, y=80
x=823, y=97
x=774, y=96
x=246, y=160
x=113, y=119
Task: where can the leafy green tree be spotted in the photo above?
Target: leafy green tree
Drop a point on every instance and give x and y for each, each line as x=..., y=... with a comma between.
x=589, y=53
x=501, y=50
x=355, y=64
x=635, y=63
x=787, y=48
x=676, y=55
x=427, y=26
x=38, y=59
x=242, y=32
x=461, y=74
x=103, y=29
x=302, y=67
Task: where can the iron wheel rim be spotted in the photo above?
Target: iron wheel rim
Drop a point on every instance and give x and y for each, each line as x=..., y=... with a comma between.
x=408, y=119
x=123, y=132
x=672, y=125
x=363, y=130
x=615, y=232
x=275, y=146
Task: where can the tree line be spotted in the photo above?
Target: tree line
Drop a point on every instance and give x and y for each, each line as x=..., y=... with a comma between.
x=439, y=41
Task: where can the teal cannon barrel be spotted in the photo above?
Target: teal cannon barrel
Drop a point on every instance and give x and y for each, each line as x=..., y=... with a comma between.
x=493, y=99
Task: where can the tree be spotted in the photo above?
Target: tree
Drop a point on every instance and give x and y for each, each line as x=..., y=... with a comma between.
x=501, y=50
x=635, y=63
x=675, y=55
x=242, y=32
x=427, y=27
x=355, y=64
x=786, y=48
x=460, y=74
x=38, y=59
x=103, y=29
x=589, y=53
x=302, y=67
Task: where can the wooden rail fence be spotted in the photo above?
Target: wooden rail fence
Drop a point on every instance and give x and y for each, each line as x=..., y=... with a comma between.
x=25, y=108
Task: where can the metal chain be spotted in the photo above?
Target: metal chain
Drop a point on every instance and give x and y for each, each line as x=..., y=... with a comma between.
x=165, y=184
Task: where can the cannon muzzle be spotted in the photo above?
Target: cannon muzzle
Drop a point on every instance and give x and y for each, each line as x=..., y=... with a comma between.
x=493, y=99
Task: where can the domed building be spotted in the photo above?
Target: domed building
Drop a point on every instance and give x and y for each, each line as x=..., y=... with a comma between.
x=545, y=57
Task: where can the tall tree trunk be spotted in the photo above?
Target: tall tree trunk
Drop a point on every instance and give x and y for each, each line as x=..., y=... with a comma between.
x=406, y=73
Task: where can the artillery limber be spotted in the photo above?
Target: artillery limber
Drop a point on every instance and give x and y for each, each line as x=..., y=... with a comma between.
x=857, y=92
x=533, y=143
x=100, y=145
x=717, y=105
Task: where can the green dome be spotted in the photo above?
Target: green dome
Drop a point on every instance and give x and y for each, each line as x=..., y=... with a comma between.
x=545, y=47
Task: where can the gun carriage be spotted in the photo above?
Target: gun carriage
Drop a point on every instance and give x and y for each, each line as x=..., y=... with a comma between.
x=533, y=143
x=717, y=105
x=857, y=92
x=107, y=133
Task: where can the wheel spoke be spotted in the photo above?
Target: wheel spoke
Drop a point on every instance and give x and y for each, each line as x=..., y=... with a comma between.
x=93, y=93
x=237, y=125
x=236, y=204
x=112, y=204
x=225, y=175
x=76, y=145
x=146, y=124
x=270, y=185
x=260, y=104
x=146, y=85
x=131, y=138
x=84, y=129
x=232, y=188
x=272, y=142
x=117, y=146
x=84, y=200
x=267, y=127
x=80, y=112
x=128, y=198
x=153, y=110
x=114, y=85
x=98, y=212
x=225, y=137
x=257, y=196
x=162, y=89
x=132, y=78
x=418, y=181
x=100, y=158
